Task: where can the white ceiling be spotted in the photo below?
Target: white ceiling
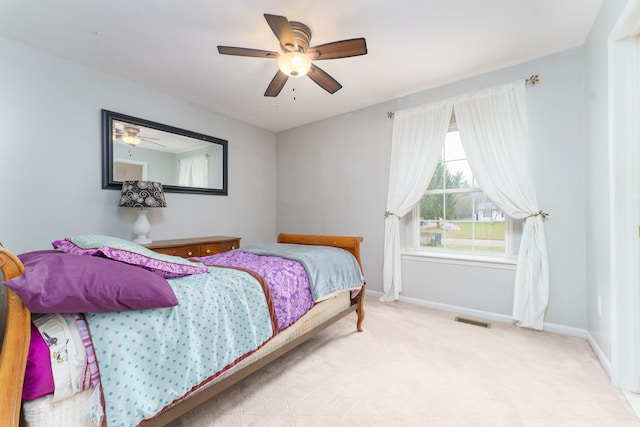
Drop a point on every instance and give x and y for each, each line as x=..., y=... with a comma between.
x=413, y=45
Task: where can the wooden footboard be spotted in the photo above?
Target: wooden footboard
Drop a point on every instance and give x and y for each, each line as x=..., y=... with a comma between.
x=15, y=328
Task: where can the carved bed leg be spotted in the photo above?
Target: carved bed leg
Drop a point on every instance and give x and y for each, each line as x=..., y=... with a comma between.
x=360, y=310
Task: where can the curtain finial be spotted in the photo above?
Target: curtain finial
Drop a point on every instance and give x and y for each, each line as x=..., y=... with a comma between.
x=533, y=80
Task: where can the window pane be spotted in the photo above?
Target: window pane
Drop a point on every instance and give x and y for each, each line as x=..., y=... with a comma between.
x=464, y=207
x=432, y=207
x=458, y=174
x=453, y=170
x=437, y=181
x=467, y=222
x=453, y=147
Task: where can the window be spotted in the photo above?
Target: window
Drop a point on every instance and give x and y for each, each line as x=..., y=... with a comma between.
x=454, y=214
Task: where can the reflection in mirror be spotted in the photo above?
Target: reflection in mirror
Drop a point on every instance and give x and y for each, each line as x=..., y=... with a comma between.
x=183, y=161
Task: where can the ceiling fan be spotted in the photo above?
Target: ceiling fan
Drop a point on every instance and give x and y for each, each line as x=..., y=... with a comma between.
x=130, y=135
x=296, y=57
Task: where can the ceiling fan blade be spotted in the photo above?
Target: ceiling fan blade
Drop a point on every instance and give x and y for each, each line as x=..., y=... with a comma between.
x=276, y=85
x=324, y=80
x=153, y=142
x=282, y=29
x=339, y=49
x=244, y=51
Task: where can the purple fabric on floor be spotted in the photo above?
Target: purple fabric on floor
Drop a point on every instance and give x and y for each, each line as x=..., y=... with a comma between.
x=287, y=281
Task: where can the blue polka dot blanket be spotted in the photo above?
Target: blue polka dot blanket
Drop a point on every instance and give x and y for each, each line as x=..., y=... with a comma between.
x=151, y=358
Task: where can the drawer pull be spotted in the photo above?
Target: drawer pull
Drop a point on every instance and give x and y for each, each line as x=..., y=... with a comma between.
x=233, y=247
x=174, y=251
x=208, y=251
x=190, y=253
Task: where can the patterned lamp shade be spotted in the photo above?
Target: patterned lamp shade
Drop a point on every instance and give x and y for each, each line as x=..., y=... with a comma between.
x=142, y=194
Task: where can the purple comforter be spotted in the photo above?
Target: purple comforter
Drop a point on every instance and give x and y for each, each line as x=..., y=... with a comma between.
x=287, y=281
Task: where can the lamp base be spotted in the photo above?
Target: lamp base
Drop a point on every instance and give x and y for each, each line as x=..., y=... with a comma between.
x=141, y=228
x=142, y=240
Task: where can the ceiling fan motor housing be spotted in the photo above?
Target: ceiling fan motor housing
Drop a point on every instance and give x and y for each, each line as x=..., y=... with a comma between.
x=302, y=33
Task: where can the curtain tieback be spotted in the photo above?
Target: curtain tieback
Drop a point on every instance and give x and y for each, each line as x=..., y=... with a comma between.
x=544, y=215
x=388, y=214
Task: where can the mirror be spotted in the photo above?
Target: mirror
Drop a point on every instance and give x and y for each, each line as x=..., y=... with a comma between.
x=183, y=161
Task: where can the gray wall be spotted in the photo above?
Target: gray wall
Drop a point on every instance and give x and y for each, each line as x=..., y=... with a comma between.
x=161, y=166
x=598, y=181
x=333, y=174
x=50, y=158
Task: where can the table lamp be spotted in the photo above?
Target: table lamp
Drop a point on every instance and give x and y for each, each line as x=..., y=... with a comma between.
x=142, y=195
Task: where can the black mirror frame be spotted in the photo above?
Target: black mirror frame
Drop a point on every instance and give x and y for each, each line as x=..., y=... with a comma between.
x=107, y=153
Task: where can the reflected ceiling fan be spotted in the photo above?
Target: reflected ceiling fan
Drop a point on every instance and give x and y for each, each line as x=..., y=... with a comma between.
x=296, y=57
x=129, y=134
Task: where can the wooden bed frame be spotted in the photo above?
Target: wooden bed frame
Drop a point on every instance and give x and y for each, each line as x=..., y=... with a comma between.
x=15, y=328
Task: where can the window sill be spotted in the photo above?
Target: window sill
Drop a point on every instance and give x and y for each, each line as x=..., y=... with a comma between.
x=475, y=260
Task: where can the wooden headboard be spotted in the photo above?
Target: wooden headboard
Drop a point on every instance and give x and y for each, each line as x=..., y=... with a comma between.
x=348, y=243
x=15, y=321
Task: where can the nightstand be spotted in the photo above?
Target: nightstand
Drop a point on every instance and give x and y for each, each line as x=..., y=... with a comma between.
x=196, y=246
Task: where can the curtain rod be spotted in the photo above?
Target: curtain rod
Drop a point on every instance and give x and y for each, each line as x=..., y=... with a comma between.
x=532, y=80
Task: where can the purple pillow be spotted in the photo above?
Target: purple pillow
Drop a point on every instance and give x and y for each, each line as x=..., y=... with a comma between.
x=57, y=282
x=38, y=379
x=123, y=250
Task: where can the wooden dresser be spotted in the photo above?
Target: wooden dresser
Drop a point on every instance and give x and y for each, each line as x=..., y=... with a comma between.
x=196, y=246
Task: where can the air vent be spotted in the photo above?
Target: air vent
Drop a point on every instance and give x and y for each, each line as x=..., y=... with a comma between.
x=472, y=322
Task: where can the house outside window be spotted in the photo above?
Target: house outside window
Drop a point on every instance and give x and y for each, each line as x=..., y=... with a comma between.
x=454, y=215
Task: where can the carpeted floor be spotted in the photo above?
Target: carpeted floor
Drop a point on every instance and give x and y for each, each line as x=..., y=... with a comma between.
x=413, y=366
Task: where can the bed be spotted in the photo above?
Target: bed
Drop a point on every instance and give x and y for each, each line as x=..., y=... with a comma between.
x=236, y=362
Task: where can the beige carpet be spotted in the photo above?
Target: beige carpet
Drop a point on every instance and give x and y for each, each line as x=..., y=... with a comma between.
x=413, y=366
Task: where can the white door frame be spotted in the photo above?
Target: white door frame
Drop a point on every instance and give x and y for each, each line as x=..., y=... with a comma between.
x=624, y=159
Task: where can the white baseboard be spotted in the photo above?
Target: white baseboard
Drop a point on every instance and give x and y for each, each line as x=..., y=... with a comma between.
x=634, y=401
x=486, y=315
x=604, y=361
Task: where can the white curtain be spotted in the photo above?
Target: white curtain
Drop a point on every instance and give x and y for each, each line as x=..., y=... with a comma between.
x=494, y=132
x=194, y=172
x=418, y=138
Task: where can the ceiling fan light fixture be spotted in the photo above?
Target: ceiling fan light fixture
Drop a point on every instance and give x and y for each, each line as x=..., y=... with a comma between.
x=294, y=64
x=131, y=139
